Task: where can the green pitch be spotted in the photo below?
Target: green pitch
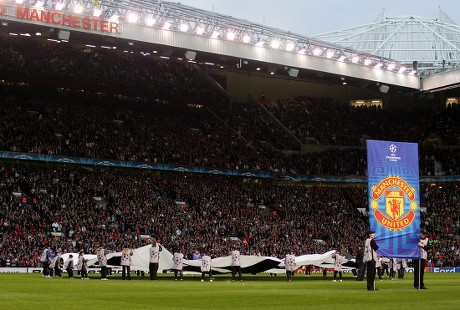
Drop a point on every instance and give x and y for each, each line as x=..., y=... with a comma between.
x=32, y=291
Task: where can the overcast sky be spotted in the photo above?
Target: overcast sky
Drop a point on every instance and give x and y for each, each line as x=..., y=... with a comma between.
x=309, y=17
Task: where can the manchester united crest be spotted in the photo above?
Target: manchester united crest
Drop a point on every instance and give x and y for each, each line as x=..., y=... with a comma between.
x=397, y=197
x=394, y=202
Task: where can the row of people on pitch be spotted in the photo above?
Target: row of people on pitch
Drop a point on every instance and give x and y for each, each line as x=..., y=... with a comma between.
x=154, y=260
x=178, y=263
x=55, y=262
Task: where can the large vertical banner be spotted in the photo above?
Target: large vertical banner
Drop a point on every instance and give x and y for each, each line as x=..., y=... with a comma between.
x=394, y=197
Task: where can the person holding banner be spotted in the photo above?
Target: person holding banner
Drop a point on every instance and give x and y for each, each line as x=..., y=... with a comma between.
x=45, y=259
x=236, y=265
x=338, y=259
x=126, y=263
x=420, y=264
x=289, y=263
x=370, y=258
x=82, y=266
x=102, y=259
x=53, y=264
x=206, y=267
x=58, y=264
x=154, y=259
x=68, y=265
x=178, y=264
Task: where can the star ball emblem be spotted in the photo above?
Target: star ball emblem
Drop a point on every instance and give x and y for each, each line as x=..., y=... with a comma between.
x=393, y=148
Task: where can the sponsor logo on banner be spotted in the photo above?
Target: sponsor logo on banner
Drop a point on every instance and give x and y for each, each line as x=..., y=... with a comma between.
x=393, y=192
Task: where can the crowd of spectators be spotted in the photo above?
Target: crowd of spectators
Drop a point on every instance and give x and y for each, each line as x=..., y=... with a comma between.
x=243, y=137
x=331, y=122
x=252, y=123
x=71, y=209
x=70, y=123
x=102, y=69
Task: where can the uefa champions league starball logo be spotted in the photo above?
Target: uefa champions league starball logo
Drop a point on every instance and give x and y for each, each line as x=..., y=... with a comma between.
x=392, y=157
x=393, y=148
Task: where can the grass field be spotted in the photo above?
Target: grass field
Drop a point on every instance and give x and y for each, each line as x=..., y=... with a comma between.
x=32, y=291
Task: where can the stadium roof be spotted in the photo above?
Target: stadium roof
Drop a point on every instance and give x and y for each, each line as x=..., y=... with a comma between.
x=433, y=43
x=186, y=19
x=229, y=41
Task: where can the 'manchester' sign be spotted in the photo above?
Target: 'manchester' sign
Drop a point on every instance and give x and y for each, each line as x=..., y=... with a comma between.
x=61, y=19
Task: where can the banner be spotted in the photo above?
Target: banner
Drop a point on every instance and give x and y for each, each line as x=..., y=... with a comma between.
x=394, y=197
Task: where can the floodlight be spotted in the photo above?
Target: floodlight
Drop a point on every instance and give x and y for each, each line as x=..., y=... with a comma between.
x=378, y=65
x=355, y=59
x=391, y=66
x=78, y=9
x=58, y=7
x=246, y=39
x=412, y=72
x=184, y=27
x=231, y=36
x=150, y=21
x=215, y=34
x=199, y=30
x=402, y=69
x=342, y=58
x=19, y=1
x=329, y=54
x=302, y=51
x=166, y=25
x=367, y=62
x=290, y=47
x=97, y=12
x=275, y=43
x=132, y=18
x=39, y=4
x=317, y=51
